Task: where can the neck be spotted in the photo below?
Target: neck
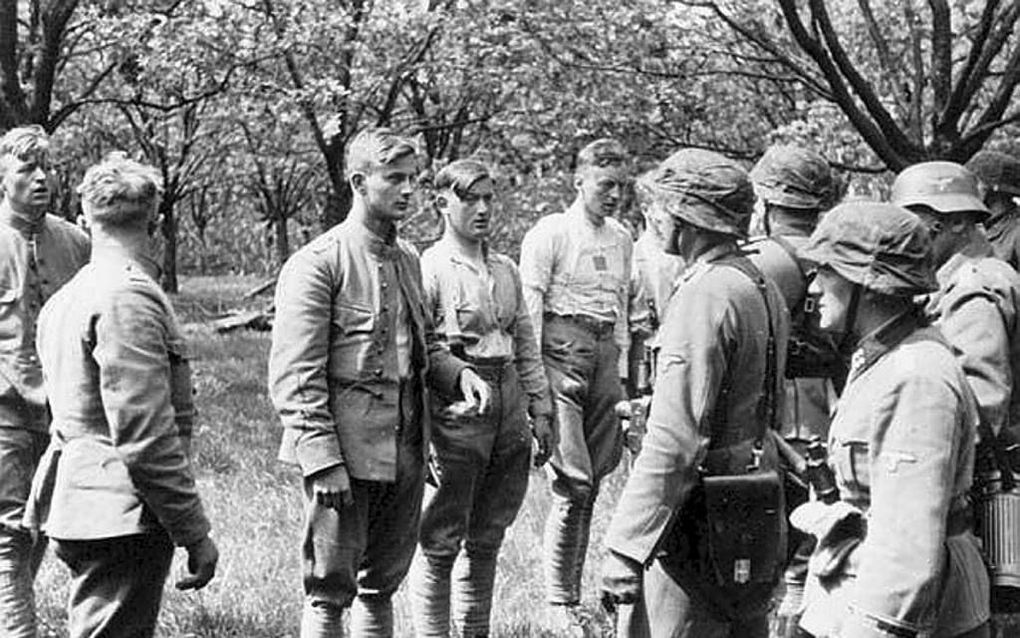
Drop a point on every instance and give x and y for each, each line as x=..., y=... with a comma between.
x=782, y=222
x=471, y=248
x=30, y=220
x=384, y=228
x=133, y=243
x=876, y=311
x=596, y=219
x=698, y=244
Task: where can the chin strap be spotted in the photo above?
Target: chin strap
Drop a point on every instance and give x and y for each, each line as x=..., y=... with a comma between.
x=846, y=340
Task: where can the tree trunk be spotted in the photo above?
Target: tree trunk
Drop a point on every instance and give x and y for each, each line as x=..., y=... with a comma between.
x=169, y=230
x=282, y=240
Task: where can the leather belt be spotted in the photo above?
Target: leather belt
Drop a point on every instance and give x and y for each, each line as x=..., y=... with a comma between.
x=598, y=327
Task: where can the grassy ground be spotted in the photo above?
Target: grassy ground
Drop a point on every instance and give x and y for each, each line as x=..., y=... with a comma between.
x=255, y=507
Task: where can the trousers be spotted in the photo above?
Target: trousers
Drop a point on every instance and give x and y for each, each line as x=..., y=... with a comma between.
x=582, y=365
x=483, y=466
x=116, y=584
x=20, y=555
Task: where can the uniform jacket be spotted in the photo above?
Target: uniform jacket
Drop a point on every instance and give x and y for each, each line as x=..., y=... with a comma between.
x=901, y=445
x=976, y=308
x=1004, y=234
x=117, y=374
x=484, y=315
x=333, y=370
x=35, y=261
x=570, y=266
x=806, y=411
x=712, y=358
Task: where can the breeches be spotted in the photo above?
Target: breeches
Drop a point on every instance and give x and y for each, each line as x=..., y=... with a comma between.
x=117, y=584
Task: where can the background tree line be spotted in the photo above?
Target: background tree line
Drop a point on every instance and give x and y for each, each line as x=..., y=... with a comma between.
x=245, y=106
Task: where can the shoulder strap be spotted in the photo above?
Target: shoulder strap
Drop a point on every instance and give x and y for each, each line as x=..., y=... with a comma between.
x=767, y=403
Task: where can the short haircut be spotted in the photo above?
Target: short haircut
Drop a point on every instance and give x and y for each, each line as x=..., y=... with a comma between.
x=376, y=147
x=118, y=191
x=602, y=153
x=23, y=143
x=461, y=175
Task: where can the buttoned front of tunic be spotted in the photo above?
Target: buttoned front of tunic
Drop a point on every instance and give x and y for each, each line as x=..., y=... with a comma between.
x=36, y=259
x=977, y=308
x=117, y=375
x=482, y=312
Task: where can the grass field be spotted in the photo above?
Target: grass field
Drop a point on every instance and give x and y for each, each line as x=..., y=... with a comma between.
x=255, y=506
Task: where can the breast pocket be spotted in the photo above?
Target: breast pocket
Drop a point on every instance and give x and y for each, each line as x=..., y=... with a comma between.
x=850, y=459
x=599, y=268
x=352, y=319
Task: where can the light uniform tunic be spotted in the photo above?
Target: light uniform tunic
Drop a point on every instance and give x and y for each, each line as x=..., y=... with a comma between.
x=901, y=445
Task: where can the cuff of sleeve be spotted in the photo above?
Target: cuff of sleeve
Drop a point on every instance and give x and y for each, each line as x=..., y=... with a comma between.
x=446, y=377
x=191, y=528
x=317, y=450
x=860, y=624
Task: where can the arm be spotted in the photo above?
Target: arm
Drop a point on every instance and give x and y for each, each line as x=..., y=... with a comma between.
x=298, y=358
x=914, y=449
x=527, y=357
x=692, y=364
x=130, y=351
x=536, y=272
x=972, y=322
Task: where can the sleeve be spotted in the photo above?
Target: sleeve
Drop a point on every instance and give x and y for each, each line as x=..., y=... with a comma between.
x=132, y=356
x=692, y=365
x=913, y=444
x=527, y=357
x=972, y=322
x=444, y=368
x=536, y=272
x=639, y=321
x=298, y=359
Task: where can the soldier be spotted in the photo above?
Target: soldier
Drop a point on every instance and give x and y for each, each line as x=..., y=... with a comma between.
x=720, y=365
x=895, y=555
x=352, y=353
x=116, y=490
x=795, y=186
x=38, y=254
x=1000, y=174
x=474, y=296
x=575, y=268
x=976, y=305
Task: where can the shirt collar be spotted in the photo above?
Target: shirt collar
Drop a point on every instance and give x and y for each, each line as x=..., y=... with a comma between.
x=885, y=338
x=119, y=258
x=22, y=223
x=382, y=247
x=449, y=249
x=977, y=248
x=716, y=253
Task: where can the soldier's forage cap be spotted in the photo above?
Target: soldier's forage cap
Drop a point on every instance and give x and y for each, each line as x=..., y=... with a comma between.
x=882, y=247
x=602, y=153
x=703, y=189
x=999, y=171
x=945, y=187
x=794, y=177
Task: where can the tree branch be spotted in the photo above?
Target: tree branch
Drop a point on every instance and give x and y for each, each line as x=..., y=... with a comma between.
x=941, y=57
x=959, y=97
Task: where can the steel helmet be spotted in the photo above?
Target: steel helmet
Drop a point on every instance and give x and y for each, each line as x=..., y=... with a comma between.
x=882, y=247
x=945, y=187
x=794, y=177
x=999, y=172
x=703, y=189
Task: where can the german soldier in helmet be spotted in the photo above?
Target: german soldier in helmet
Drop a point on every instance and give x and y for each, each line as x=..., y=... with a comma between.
x=895, y=554
x=717, y=393
x=1000, y=174
x=795, y=185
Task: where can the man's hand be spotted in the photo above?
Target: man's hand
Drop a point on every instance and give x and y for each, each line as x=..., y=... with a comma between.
x=621, y=581
x=545, y=437
x=202, y=559
x=476, y=391
x=331, y=487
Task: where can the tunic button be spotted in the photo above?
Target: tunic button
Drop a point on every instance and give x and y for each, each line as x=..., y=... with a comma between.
x=378, y=372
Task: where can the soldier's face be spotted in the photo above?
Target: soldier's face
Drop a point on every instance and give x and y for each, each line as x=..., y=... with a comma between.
x=833, y=293
x=388, y=190
x=601, y=190
x=470, y=216
x=26, y=182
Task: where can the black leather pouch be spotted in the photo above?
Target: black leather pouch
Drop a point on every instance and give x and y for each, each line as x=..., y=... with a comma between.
x=747, y=529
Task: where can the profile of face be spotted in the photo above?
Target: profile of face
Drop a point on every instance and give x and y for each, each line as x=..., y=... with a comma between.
x=663, y=228
x=388, y=190
x=942, y=233
x=832, y=293
x=469, y=215
x=601, y=190
x=27, y=183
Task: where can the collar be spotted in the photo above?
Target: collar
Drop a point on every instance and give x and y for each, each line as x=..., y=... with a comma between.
x=115, y=257
x=576, y=211
x=978, y=247
x=383, y=247
x=451, y=250
x=717, y=252
x=24, y=224
x=873, y=346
